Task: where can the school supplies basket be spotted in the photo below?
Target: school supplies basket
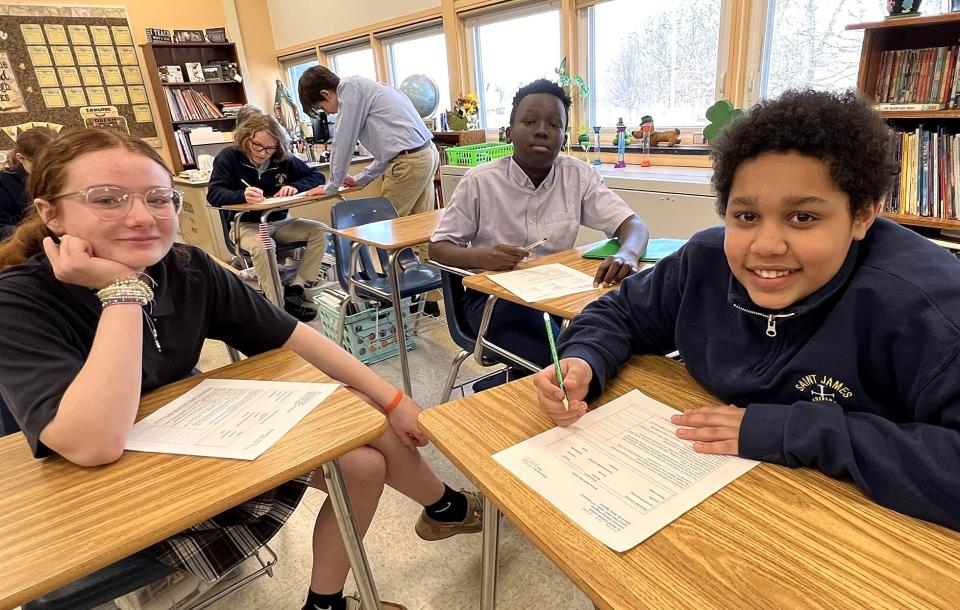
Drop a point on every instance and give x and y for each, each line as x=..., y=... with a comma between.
x=370, y=335
x=475, y=154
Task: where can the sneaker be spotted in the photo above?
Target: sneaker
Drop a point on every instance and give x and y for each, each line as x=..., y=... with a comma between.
x=296, y=304
x=354, y=603
x=429, y=528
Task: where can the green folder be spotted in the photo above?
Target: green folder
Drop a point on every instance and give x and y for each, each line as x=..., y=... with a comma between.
x=656, y=249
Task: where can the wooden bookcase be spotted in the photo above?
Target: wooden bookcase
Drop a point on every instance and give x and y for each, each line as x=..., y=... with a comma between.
x=908, y=33
x=158, y=54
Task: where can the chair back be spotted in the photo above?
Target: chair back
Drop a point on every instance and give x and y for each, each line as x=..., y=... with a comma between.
x=8, y=425
x=226, y=222
x=354, y=213
x=457, y=325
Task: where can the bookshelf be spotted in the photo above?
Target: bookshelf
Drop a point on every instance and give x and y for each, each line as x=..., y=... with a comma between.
x=900, y=63
x=183, y=104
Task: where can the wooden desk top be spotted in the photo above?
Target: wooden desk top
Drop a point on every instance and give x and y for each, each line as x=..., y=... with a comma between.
x=566, y=307
x=62, y=521
x=286, y=205
x=397, y=233
x=774, y=538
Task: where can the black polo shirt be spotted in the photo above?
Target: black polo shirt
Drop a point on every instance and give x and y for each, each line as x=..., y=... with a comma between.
x=47, y=329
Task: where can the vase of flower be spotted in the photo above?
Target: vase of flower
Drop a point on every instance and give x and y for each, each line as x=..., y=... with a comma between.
x=464, y=114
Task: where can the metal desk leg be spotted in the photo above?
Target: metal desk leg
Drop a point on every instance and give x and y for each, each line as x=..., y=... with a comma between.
x=484, y=344
x=564, y=324
x=489, y=555
x=337, y=491
x=271, y=253
x=393, y=278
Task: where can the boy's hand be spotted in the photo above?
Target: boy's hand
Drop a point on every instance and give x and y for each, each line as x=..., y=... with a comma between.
x=74, y=262
x=576, y=379
x=500, y=257
x=286, y=191
x=615, y=268
x=252, y=194
x=713, y=429
x=403, y=420
x=349, y=181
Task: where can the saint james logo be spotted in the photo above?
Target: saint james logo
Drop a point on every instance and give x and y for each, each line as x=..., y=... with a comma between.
x=823, y=388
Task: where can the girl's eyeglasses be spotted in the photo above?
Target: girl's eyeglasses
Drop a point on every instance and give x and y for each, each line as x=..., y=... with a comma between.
x=113, y=203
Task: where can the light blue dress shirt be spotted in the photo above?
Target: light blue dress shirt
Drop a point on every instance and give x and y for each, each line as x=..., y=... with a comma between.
x=382, y=118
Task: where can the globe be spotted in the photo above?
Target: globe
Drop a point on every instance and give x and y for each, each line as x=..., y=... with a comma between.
x=423, y=92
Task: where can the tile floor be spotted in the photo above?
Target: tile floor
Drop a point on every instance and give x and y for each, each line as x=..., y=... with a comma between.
x=443, y=575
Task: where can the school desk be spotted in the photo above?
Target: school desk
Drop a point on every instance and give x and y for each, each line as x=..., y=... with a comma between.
x=392, y=236
x=62, y=521
x=265, y=209
x=566, y=307
x=774, y=538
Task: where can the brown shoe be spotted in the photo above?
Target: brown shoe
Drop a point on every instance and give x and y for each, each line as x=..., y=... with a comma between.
x=429, y=528
x=354, y=603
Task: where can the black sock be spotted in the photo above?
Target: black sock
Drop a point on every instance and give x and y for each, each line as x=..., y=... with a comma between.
x=452, y=506
x=325, y=601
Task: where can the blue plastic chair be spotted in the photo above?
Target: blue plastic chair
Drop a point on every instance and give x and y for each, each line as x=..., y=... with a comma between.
x=119, y=578
x=367, y=283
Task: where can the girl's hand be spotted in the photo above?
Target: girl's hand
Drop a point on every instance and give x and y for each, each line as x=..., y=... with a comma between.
x=286, y=191
x=252, y=194
x=74, y=262
x=403, y=420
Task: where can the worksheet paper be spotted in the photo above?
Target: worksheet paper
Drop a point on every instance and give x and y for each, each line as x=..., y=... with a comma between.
x=620, y=472
x=544, y=282
x=227, y=418
x=287, y=199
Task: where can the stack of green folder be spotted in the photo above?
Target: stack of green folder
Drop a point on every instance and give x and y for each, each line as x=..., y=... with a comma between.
x=656, y=249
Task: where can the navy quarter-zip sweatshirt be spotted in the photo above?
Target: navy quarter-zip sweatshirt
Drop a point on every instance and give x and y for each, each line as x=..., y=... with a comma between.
x=859, y=380
x=231, y=166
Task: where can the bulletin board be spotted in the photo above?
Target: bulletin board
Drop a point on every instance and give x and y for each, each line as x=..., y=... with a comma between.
x=67, y=67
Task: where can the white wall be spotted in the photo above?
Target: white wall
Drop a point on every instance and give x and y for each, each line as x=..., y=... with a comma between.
x=298, y=21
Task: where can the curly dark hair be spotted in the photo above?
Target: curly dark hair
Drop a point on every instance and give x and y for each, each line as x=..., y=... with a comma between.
x=838, y=128
x=542, y=85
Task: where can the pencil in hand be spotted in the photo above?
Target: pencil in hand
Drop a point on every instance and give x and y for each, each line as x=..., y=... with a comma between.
x=556, y=360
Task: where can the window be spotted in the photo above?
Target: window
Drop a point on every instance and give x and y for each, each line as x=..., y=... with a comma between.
x=423, y=52
x=653, y=58
x=807, y=46
x=502, y=67
x=294, y=68
x=353, y=61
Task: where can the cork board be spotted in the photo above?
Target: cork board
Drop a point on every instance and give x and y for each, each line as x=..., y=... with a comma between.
x=67, y=67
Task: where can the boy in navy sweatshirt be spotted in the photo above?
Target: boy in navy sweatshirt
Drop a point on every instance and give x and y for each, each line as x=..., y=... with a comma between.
x=834, y=335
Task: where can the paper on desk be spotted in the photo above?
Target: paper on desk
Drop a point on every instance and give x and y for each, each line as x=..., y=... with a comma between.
x=620, y=472
x=227, y=418
x=286, y=199
x=544, y=282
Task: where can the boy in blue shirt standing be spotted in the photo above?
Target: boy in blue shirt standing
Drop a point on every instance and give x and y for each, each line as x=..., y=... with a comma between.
x=834, y=335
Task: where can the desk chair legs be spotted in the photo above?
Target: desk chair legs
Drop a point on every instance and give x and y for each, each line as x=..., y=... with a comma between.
x=233, y=354
x=489, y=555
x=393, y=278
x=347, y=523
x=452, y=375
x=484, y=345
x=265, y=569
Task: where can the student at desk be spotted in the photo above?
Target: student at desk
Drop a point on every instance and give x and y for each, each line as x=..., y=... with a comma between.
x=13, y=179
x=97, y=305
x=833, y=335
x=502, y=206
x=257, y=167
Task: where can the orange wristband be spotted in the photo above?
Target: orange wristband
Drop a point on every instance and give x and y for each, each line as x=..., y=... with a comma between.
x=393, y=403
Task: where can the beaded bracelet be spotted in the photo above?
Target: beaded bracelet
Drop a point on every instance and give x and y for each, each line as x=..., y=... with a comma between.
x=125, y=290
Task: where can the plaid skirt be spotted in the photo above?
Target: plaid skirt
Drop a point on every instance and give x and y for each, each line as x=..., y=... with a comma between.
x=214, y=547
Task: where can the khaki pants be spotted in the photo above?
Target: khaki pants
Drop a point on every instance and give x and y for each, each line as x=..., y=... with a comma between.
x=283, y=232
x=408, y=181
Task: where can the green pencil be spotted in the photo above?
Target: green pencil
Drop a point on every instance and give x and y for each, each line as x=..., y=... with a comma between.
x=556, y=359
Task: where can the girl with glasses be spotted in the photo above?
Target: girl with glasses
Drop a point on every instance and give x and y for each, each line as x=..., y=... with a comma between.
x=98, y=305
x=257, y=167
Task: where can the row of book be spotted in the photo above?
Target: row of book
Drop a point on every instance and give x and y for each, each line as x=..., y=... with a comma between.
x=190, y=105
x=928, y=182
x=183, y=146
x=919, y=76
